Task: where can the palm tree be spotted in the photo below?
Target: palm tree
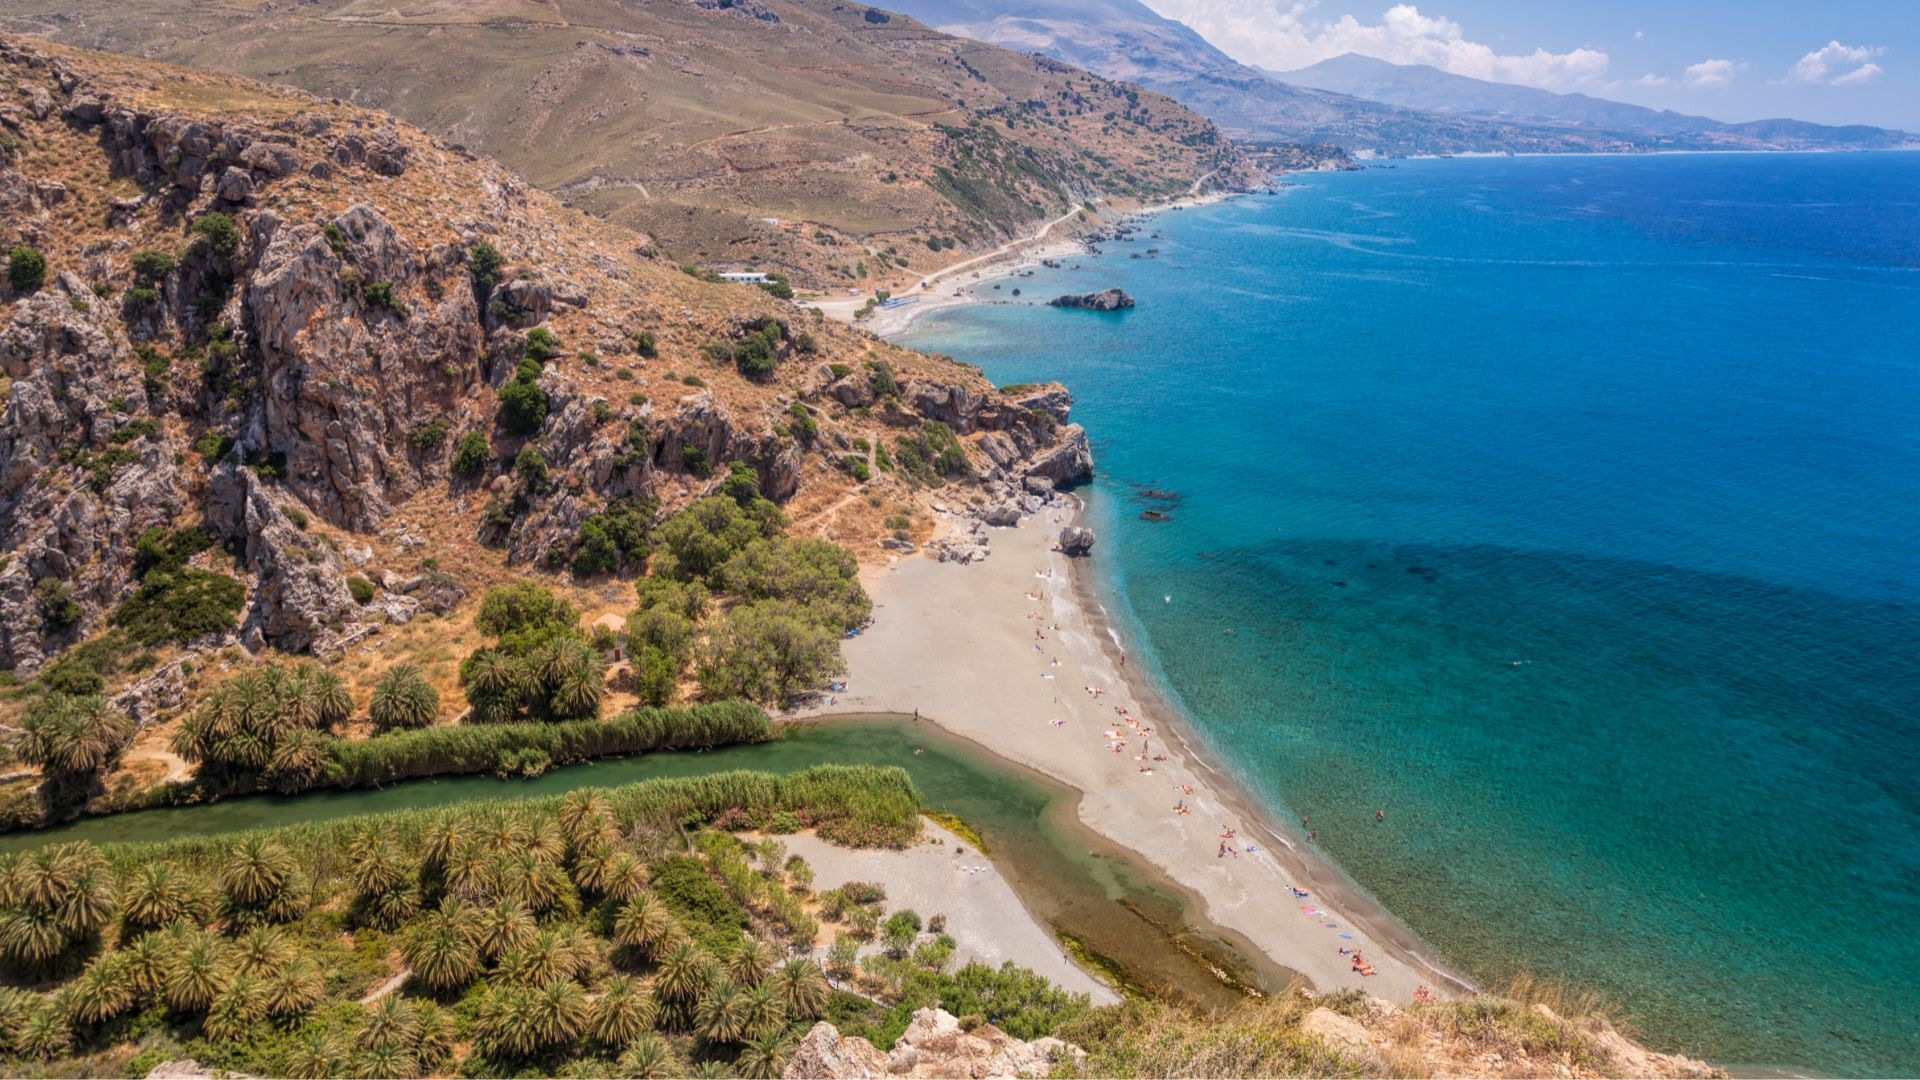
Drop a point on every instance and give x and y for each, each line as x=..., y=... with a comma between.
x=642, y=922
x=323, y=697
x=467, y=870
x=447, y=832
x=582, y=815
x=529, y=879
x=439, y=947
x=574, y=677
x=543, y=959
x=495, y=683
x=242, y=1004
x=256, y=871
x=297, y=761
x=436, y=1036
x=624, y=877
x=683, y=972
x=804, y=989
x=763, y=1010
x=390, y=1022
x=751, y=961
x=105, y=989
x=590, y=866
x=46, y=1034
x=294, y=988
x=51, y=898
x=647, y=1058
x=764, y=1057
x=382, y=1062
x=156, y=894
x=316, y=1054
x=393, y=907
x=403, y=699
x=708, y=1070
x=721, y=1015
x=148, y=959
x=198, y=973
x=73, y=736
x=261, y=951
x=559, y=1012
x=622, y=1012
x=504, y=926
x=545, y=841
x=505, y=1024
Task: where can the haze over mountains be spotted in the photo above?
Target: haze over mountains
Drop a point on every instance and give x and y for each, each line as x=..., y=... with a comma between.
x=1355, y=102
x=1429, y=88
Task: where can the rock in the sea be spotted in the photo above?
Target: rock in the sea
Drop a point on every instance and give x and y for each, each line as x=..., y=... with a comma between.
x=1076, y=540
x=1104, y=300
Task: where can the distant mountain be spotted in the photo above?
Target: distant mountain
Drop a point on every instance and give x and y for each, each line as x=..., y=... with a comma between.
x=1125, y=39
x=1433, y=90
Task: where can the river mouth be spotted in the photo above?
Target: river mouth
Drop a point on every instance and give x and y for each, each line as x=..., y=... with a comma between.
x=1115, y=913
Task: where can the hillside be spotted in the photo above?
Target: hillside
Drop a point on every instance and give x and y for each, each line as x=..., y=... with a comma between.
x=1428, y=88
x=288, y=375
x=802, y=135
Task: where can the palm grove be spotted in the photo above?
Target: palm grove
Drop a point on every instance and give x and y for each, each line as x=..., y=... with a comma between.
x=597, y=934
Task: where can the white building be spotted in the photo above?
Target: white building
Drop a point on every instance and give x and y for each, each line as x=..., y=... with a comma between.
x=745, y=277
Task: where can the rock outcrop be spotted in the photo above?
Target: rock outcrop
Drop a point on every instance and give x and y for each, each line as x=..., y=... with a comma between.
x=935, y=1044
x=1076, y=540
x=1104, y=300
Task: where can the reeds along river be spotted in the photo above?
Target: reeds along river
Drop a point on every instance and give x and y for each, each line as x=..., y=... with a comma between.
x=1119, y=913
x=1568, y=510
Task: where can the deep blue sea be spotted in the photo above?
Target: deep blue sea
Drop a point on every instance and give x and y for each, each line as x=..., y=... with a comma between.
x=1568, y=509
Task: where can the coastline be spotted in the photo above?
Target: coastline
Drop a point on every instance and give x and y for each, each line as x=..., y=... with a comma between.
x=1006, y=694
x=1009, y=259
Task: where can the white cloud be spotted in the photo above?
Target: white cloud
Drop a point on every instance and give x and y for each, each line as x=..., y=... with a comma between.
x=1639, y=35
x=1819, y=65
x=1280, y=36
x=1650, y=79
x=1711, y=73
x=1858, y=75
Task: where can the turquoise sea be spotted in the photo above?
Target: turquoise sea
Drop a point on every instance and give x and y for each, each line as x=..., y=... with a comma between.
x=1568, y=509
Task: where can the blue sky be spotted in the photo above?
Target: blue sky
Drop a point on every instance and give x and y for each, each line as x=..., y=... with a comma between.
x=1835, y=61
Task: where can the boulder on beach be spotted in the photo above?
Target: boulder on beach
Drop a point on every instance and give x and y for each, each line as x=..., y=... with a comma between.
x=1104, y=300
x=1076, y=540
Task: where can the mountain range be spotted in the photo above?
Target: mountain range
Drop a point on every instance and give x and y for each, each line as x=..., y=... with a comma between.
x=1432, y=90
x=1351, y=101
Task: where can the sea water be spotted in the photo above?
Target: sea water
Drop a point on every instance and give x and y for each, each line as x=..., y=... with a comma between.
x=1568, y=511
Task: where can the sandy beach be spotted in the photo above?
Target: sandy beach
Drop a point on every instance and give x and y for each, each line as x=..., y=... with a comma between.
x=954, y=285
x=1009, y=652
x=943, y=875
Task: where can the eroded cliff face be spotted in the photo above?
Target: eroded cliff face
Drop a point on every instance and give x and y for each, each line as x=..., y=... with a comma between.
x=264, y=316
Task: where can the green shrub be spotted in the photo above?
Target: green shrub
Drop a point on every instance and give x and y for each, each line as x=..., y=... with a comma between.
x=880, y=377
x=167, y=550
x=483, y=263
x=643, y=344
x=523, y=406
x=152, y=267
x=615, y=537
x=530, y=465
x=218, y=232
x=694, y=458
x=429, y=436
x=58, y=609
x=932, y=455
x=360, y=589
x=541, y=346
x=180, y=606
x=214, y=446
x=380, y=294
x=471, y=454
x=26, y=269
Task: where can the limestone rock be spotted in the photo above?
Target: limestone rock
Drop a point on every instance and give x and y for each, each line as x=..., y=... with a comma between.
x=300, y=598
x=1338, y=1031
x=1076, y=540
x=1000, y=514
x=825, y=1054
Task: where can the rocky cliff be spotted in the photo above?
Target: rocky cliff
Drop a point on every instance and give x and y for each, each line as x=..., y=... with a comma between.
x=345, y=348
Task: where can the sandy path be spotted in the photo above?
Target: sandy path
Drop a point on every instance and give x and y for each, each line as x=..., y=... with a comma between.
x=958, y=643
x=985, y=916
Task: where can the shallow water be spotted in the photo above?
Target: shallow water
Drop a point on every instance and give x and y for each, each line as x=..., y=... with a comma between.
x=1074, y=881
x=1567, y=510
